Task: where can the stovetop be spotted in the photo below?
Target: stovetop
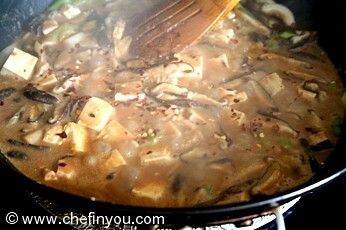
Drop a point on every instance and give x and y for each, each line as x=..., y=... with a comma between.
x=314, y=211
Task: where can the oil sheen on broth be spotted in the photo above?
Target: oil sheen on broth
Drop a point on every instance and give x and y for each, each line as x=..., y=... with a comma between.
x=252, y=109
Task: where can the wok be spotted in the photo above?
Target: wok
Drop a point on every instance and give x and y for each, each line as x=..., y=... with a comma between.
x=324, y=16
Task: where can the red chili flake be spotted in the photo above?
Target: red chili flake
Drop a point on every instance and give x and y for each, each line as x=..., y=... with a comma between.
x=1, y=103
x=235, y=41
x=149, y=152
x=236, y=100
x=62, y=164
x=276, y=128
x=62, y=135
x=50, y=71
x=92, y=115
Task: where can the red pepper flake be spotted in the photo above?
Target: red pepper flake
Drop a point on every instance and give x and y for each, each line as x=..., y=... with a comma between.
x=235, y=41
x=276, y=128
x=50, y=71
x=92, y=115
x=1, y=103
x=62, y=164
x=62, y=135
x=236, y=100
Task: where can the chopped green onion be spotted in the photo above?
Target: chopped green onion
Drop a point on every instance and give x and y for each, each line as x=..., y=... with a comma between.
x=60, y=3
x=337, y=124
x=286, y=34
x=334, y=86
x=287, y=143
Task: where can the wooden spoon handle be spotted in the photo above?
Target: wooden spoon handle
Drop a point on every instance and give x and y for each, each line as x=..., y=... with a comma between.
x=174, y=25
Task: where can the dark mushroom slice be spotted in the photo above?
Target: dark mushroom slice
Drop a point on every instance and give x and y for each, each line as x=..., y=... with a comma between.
x=317, y=142
x=15, y=118
x=67, y=110
x=18, y=155
x=177, y=183
x=227, y=194
x=282, y=124
x=268, y=184
x=263, y=95
x=35, y=94
x=22, y=144
x=4, y=93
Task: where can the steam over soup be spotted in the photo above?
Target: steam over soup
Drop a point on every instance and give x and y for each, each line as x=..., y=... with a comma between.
x=252, y=109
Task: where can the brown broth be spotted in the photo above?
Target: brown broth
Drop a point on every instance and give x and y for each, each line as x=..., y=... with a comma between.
x=225, y=152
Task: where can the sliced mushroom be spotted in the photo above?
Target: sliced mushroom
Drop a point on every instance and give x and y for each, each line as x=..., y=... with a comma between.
x=279, y=11
x=262, y=94
x=305, y=76
x=268, y=184
x=18, y=155
x=35, y=94
x=68, y=110
x=25, y=145
x=281, y=125
x=176, y=95
x=4, y=93
x=288, y=60
x=247, y=16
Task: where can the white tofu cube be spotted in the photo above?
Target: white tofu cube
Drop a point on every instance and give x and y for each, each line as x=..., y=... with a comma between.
x=20, y=64
x=52, y=136
x=46, y=82
x=78, y=136
x=155, y=156
x=115, y=132
x=49, y=26
x=114, y=160
x=34, y=138
x=307, y=95
x=96, y=114
x=70, y=11
x=272, y=83
x=152, y=190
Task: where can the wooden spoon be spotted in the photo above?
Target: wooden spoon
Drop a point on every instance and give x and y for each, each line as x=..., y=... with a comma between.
x=173, y=25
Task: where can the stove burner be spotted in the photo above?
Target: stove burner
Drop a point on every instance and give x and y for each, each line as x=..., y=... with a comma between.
x=252, y=223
